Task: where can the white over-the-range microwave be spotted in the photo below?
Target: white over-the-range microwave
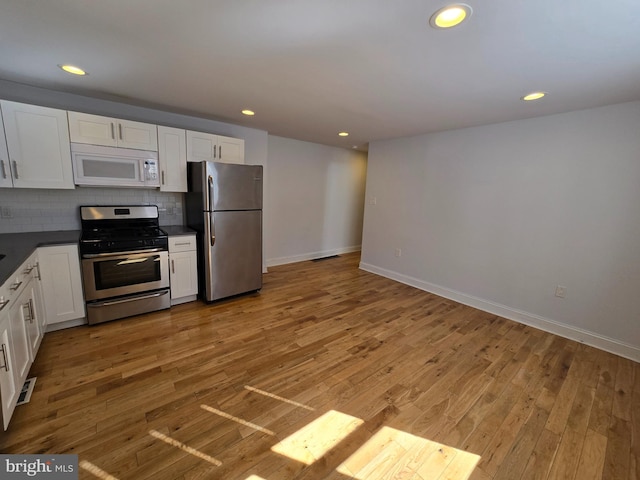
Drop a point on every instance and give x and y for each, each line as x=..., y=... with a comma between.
x=95, y=165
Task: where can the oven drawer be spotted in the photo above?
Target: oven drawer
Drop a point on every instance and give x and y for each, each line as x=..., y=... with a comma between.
x=115, y=275
x=113, y=309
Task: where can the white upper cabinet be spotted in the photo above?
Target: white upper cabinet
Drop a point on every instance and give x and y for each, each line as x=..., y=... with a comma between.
x=214, y=148
x=112, y=132
x=5, y=173
x=201, y=147
x=172, y=154
x=230, y=150
x=38, y=145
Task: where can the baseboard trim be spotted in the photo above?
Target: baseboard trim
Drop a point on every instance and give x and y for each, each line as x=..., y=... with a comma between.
x=272, y=262
x=573, y=333
x=67, y=324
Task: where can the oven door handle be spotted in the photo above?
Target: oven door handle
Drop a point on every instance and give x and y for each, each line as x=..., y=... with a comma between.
x=122, y=254
x=126, y=300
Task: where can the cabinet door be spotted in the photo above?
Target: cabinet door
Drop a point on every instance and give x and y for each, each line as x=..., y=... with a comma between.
x=38, y=144
x=201, y=147
x=61, y=283
x=5, y=172
x=184, y=274
x=137, y=135
x=92, y=129
x=172, y=154
x=30, y=315
x=230, y=150
x=8, y=390
x=21, y=353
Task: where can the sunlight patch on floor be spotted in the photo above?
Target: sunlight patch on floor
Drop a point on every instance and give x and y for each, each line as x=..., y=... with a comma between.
x=313, y=440
x=95, y=470
x=185, y=448
x=392, y=453
x=282, y=399
x=236, y=419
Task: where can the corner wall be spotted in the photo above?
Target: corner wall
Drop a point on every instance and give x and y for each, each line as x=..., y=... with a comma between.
x=497, y=216
x=315, y=200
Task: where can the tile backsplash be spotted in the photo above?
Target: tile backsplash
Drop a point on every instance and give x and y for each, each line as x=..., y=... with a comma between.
x=34, y=210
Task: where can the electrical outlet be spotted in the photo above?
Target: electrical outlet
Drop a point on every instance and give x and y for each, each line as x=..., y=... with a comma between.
x=561, y=291
x=398, y=252
x=373, y=201
x=5, y=212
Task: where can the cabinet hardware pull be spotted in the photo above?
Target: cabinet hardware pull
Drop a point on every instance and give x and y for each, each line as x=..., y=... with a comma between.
x=183, y=243
x=220, y=152
x=120, y=130
x=4, y=170
x=132, y=252
x=15, y=170
x=32, y=310
x=37, y=266
x=126, y=300
x=4, y=357
x=173, y=267
x=163, y=177
x=28, y=307
x=28, y=270
x=4, y=304
x=15, y=286
x=113, y=131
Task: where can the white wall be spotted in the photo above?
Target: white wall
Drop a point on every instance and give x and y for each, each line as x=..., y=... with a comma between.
x=315, y=200
x=498, y=216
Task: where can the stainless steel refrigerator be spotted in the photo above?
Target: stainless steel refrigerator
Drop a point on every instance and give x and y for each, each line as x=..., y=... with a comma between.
x=224, y=206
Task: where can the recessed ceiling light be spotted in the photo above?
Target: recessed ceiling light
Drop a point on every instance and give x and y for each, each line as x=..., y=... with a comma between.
x=450, y=16
x=343, y=134
x=250, y=113
x=73, y=69
x=533, y=96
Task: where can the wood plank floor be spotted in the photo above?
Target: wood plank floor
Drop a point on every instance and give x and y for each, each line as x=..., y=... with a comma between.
x=330, y=372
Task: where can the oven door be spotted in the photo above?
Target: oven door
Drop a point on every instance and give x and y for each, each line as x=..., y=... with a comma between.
x=108, y=275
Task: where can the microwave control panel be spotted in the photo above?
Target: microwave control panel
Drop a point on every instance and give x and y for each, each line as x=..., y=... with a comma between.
x=151, y=170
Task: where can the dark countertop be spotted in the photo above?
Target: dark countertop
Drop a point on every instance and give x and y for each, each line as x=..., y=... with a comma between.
x=18, y=246
x=177, y=230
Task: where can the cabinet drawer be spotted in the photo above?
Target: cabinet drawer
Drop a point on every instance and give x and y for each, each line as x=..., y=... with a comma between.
x=18, y=280
x=183, y=243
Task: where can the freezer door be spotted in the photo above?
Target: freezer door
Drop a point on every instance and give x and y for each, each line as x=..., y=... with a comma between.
x=234, y=187
x=233, y=254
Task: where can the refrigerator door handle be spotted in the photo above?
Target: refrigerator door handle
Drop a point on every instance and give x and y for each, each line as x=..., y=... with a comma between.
x=209, y=192
x=212, y=229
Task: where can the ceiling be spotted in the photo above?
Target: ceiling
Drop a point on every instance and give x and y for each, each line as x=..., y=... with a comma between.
x=312, y=68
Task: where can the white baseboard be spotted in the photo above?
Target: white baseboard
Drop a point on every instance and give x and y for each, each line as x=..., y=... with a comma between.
x=52, y=327
x=567, y=331
x=272, y=262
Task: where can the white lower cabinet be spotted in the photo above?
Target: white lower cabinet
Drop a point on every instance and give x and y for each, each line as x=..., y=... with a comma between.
x=9, y=391
x=59, y=267
x=47, y=288
x=19, y=317
x=183, y=268
x=20, y=333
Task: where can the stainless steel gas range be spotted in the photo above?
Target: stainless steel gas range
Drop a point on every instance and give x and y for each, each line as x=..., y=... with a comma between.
x=125, y=261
